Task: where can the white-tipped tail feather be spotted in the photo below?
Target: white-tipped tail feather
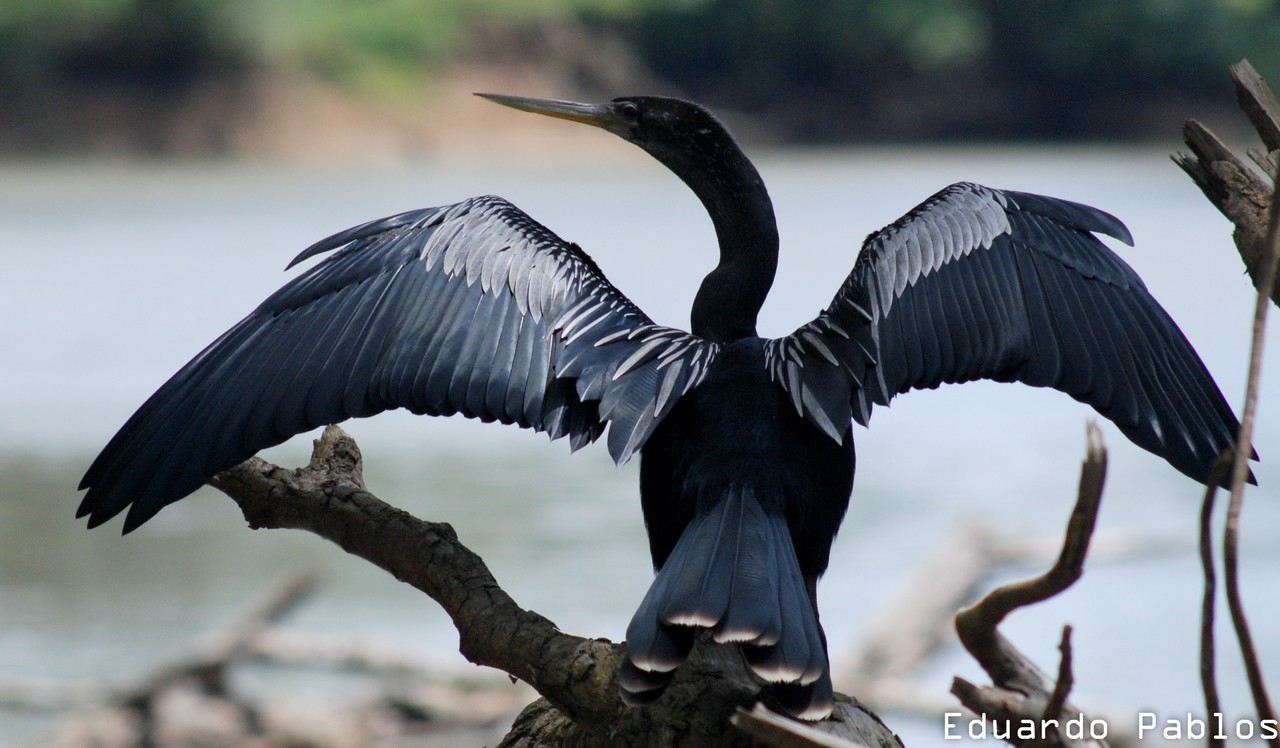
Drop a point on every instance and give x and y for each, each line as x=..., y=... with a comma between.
x=733, y=572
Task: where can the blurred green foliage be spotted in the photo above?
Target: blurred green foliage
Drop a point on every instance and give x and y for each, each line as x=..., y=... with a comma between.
x=990, y=68
x=382, y=47
x=935, y=67
x=44, y=43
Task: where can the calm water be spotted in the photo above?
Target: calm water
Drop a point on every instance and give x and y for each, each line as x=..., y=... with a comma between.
x=116, y=275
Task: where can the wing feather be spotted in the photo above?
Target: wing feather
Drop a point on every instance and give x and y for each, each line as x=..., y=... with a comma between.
x=471, y=308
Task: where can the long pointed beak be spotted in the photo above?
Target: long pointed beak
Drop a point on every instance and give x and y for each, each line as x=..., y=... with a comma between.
x=599, y=115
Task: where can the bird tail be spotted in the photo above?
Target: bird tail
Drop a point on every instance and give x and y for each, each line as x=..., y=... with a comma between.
x=734, y=572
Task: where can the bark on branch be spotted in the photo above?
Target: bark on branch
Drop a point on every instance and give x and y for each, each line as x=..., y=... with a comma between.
x=1237, y=190
x=576, y=676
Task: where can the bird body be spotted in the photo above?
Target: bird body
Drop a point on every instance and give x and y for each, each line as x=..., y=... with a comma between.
x=738, y=427
x=742, y=498
x=746, y=443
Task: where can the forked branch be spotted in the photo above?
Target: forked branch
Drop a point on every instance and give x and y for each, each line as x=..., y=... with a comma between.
x=1021, y=694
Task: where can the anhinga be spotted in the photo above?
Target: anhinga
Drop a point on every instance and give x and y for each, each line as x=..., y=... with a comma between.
x=746, y=444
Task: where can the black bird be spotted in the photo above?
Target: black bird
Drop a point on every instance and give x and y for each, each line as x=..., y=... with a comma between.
x=746, y=444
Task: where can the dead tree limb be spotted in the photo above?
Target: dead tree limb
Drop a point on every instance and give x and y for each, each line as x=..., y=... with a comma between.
x=1021, y=693
x=1237, y=190
x=156, y=708
x=576, y=676
x=909, y=631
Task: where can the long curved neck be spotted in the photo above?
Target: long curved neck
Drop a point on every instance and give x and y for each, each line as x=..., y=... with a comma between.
x=731, y=295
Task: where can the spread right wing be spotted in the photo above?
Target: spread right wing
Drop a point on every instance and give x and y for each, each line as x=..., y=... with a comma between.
x=979, y=283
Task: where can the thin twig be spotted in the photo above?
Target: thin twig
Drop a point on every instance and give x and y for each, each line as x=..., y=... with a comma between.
x=1208, y=656
x=1070, y=564
x=1061, y=687
x=1240, y=472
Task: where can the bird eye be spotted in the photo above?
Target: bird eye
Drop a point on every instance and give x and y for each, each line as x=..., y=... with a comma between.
x=628, y=110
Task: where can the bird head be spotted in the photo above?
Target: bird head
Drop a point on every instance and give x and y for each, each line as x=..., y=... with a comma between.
x=674, y=131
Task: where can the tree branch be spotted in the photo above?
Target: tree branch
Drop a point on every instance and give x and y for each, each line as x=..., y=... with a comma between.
x=1062, y=687
x=1240, y=473
x=1022, y=694
x=1250, y=203
x=1208, y=657
x=577, y=677
x=328, y=498
x=1239, y=192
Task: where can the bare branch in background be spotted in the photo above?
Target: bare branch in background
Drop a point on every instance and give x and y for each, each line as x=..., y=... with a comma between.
x=1208, y=659
x=912, y=629
x=204, y=660
x=1062, y=687
x=1022, y=694
x=207, y=659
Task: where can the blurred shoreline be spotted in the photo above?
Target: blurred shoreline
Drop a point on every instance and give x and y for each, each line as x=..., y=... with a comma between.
x=351, y=83
x=299, y=119
x=293, y=118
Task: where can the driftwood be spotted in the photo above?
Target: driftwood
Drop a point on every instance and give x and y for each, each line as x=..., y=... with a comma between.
x=192, y=698
x=208, y=656
x=577, y=677
x=184, y=699
x=204, y=660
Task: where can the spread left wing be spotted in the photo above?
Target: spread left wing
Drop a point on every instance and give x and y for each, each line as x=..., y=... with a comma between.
x=978, y=283
x=471, y=308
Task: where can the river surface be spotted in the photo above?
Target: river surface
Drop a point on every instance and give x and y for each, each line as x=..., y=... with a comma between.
x=116, y=274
